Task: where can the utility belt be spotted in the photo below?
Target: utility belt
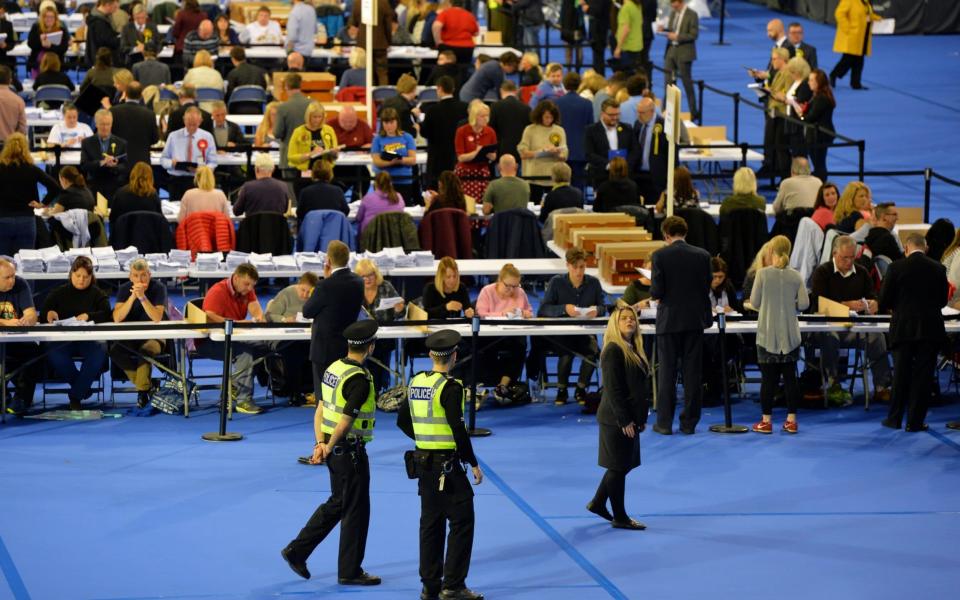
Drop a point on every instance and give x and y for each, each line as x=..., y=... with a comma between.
x=352, y=446
x=420, y=462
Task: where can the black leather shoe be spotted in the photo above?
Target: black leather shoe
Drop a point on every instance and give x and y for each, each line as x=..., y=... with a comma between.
x=426, y=594
x=363, y=578
x=143, y=399
x=631, y=524
x=297, y=566
x=461, y=594
x=662, y=430
x=953, y=425
x=890, y=424
x=915, y=428
x=601, y=511
x=688, y=430
x=859, y=87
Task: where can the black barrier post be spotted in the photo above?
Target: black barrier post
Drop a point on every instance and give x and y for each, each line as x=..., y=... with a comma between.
x=861, y=149
x=222, y=435
x=728, y=426
x=927, y=179
x=700, y=85
x=723, y=16
x=474, y=357
x=744, y=148
x=736, y=115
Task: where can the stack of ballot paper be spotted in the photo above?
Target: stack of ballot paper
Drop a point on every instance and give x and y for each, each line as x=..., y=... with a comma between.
x=310, y=261
x=180, y=257
x=170, y=208
x=125, y=255
x=422, y=258
x=29, y=261
x=208, y=261
x=235, y=258
x=285, y=263
x=263, y=262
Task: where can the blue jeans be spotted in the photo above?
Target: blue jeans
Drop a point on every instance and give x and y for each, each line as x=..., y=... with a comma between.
x=61, y=359
x=17, y=233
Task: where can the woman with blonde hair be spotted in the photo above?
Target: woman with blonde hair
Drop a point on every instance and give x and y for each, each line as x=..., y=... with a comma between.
x=446, y=297
x=853, y=206
x=203, y=75
x=140, y=194
x=314, y=140
x=622, y=414
x=472, y=168
x=504, y=299
x=40, y=39
x=778, y=293
x=356, y=75
x=530, y=71
x=18, y=226
x=762, y=259
x=591, y=85
x=121, y=79
x=205, y=197
x=744, y=193
x=264, y=135
x=375, y=289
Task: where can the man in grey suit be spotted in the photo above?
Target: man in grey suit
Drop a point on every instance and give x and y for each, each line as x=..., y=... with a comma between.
x=683, y=26
x=289, y=114
x=680, y=283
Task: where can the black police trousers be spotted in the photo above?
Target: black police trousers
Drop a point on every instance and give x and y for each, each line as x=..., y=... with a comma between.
x=437, y=508
x=348, y=504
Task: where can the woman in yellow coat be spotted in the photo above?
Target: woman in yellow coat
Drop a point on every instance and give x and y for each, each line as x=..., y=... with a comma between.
x=854, y=22
x=313, y=140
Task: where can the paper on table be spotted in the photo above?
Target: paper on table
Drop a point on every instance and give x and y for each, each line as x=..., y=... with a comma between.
x=301, y=319
x=388, y=303
x=583, y=311
x=514, y=314
x=71, y=322
x=645, y=272
x=946, y=311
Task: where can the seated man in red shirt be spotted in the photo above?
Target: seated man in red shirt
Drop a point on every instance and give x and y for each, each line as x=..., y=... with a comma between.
x=232, y=299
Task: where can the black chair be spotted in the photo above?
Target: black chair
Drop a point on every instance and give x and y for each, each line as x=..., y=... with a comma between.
x=514, y=234
x=742, y=234
x=702, y=229
x=147, y=231
x=265, y=232
x=788, y=222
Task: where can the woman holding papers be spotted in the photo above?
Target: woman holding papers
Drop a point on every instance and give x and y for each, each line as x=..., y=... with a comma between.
x=470, y=140
x=48, y=35
x=80, y=300
x=394, y=151
x=503, y=358
x=382, y=303
x=312, y=141
x=543, y=144
x=778, y=293
x=622, y=414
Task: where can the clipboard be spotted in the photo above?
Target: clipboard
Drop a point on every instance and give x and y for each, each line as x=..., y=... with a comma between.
x=184, y=165
x=196, y=316
x=484, y=151
x=102, y=207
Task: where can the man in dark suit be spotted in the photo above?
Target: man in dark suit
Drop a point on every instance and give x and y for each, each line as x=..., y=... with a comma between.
x=576, y=115
x=139, y=35
x=151, y=71
x=648, y=159
x=801, y=48
x=915, y=290
x=597, y=140
x=290, y=114
x=440, y=120
x=680, y=283
x=335, y=303
x=187, y=95
x=683, y=27
x=598, y=11
x=103, y=157
x=509, y=117
x=244, y=73
x=136, y=124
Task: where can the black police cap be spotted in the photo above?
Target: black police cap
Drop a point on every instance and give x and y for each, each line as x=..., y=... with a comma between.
x=361, y=332
x=443, y=342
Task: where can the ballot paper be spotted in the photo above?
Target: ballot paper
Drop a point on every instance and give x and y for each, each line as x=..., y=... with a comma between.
x=302, y=319
x=514, y=314
x=645, y=272
x=584, y=311
x=389, y=303
x=71, y=322
x=54, y=37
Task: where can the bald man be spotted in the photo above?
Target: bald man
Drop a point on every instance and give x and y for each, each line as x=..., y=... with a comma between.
x=507, y=192
x=648, y=156
x=201, y=39
x=295, y=63
x=354, y=133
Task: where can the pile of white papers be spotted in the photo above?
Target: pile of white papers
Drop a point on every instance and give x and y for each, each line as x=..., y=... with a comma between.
x=125, y=255
x=285, y=263
x=180, y=257
x=209, y=261
x=263, y=262
x=170, y=208
x=235, y=258
x=58, y=264
x=422, y=258
x=310, y=261
x=29, y=261
x=108, y=264
x=72, y=253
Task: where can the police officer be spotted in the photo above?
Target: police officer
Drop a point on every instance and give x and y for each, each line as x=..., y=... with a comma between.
x=343, y=425
x=433, y=416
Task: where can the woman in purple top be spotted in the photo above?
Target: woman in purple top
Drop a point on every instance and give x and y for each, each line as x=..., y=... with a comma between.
x=382, y=198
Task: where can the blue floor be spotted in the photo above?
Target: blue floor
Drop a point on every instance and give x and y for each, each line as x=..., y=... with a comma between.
x=142, y=508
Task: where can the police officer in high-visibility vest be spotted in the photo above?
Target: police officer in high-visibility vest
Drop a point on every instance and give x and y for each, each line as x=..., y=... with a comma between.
x=343, y=425
x=433, y=416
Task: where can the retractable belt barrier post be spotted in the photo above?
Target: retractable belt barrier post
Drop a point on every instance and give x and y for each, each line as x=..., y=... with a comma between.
x=222, y=435
x=475, y=345
x=728, y=426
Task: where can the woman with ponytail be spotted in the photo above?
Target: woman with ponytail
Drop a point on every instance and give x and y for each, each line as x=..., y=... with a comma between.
x=622, y=413
x=779, y=294
x=380, y=199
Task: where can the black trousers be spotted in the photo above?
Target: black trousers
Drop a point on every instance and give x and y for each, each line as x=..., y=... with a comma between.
x=770, y=374
x=685, y=347
x=914, y=365
x=848, y=62
x=599, y=32
x=177, y=185
x=437, y=509
x=348, y=505
x=818, y=156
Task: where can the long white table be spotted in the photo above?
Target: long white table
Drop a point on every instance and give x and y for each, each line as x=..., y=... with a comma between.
x=224, y=159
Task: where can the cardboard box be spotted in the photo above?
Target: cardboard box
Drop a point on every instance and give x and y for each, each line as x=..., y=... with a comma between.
x=563, y=224
x=618, y=261
x=587, y=238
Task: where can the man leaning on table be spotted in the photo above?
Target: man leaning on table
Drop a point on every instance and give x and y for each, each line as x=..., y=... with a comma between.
x=17, y=310
x=233, y=298
x=142, y=299
x=187, y=149
x=286, y=307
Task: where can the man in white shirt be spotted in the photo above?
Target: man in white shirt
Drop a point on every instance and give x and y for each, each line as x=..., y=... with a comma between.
x=70, y=132
x=263, y=30
x=799, y=190
x=187, y=148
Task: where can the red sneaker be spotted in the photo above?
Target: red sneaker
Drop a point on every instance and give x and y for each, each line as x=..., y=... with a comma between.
x=790, y=426
x=762, y=427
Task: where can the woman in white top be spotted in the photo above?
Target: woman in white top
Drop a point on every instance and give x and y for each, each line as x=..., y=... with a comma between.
x=70, y=132
x=205, y=197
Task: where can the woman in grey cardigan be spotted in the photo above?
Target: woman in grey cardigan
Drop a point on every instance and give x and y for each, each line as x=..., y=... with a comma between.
x=778, y=293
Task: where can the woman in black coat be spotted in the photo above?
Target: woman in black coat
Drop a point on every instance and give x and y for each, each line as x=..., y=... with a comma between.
x=618, y=190
x=819, y=112
x=622, y=414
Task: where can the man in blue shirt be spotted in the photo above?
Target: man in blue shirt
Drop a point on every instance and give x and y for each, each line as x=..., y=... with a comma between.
x=187, y=149
x=575, y=295
x=17, y=310
x=487, y=79
x=576, y=115
x=302, y=27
